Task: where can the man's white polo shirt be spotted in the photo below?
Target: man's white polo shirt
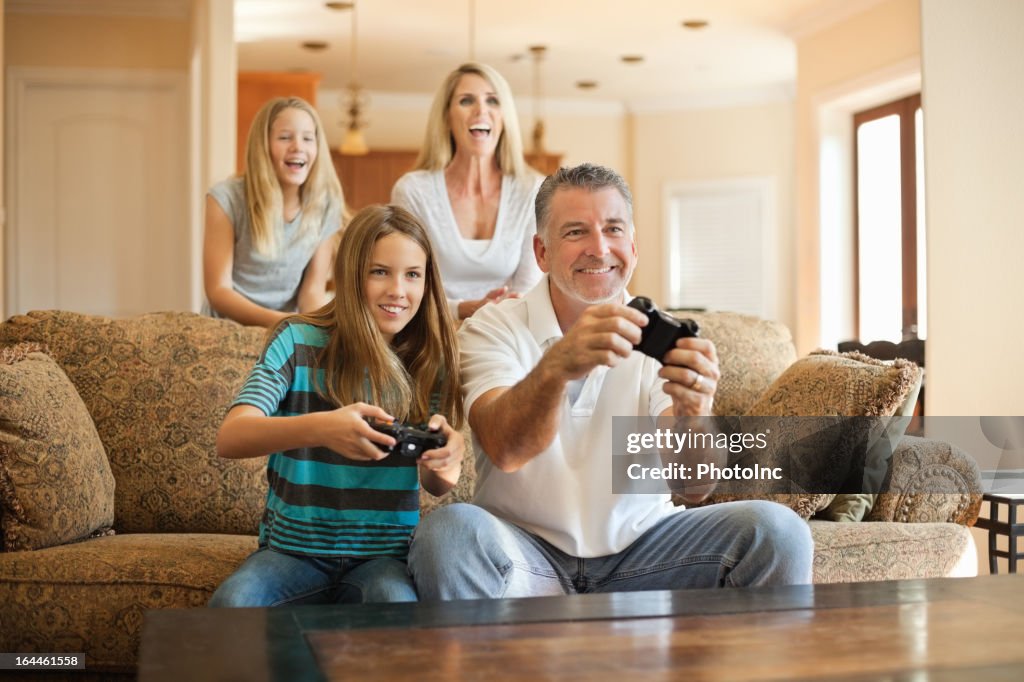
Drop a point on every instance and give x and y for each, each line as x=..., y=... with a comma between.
x=563, y=495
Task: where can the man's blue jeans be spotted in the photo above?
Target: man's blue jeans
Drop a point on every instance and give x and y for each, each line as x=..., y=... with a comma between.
x=463, y=552
x=271, y=578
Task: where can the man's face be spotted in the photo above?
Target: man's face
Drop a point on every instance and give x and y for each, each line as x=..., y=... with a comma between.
x=588, y=248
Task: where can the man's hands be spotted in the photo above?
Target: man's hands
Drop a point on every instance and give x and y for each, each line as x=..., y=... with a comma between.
x=603, y=335
x=691, y=373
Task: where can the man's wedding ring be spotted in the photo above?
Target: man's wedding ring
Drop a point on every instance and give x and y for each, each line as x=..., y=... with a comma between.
x=698, y=380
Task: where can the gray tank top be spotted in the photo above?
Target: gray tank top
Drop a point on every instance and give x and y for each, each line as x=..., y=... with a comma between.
x=270, y=282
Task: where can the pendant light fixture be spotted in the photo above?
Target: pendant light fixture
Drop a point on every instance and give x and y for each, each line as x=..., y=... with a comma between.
x=354, y=144
x=538, y=52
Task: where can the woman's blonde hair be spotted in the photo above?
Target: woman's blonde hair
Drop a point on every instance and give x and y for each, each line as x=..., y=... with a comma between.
x=439, y=144
x=418, y=373
x=263, y=190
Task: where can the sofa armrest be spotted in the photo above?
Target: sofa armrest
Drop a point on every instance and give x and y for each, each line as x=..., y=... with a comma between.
x=929, y=481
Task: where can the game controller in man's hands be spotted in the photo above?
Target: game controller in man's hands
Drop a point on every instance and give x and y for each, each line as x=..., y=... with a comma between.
x=662, y=330
x=411, y=442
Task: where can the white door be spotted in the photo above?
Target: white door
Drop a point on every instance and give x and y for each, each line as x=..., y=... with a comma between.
x=97, y=187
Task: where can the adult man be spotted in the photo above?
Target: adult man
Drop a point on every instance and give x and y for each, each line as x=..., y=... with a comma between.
x=543, y=377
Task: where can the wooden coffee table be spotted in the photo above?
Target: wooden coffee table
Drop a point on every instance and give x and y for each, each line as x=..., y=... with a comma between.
x=949, y=628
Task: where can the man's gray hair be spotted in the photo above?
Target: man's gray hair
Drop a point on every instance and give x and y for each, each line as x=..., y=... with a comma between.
x=588, y=176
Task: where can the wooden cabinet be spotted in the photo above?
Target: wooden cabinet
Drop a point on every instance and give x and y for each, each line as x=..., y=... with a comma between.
x=256, y=87
x=368, y=179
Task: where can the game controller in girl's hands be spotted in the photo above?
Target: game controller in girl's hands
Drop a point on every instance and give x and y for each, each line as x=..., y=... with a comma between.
x=411, y=442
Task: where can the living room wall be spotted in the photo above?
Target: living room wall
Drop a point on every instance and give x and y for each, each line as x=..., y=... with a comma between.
x=973, y=150
x=711, y=144
x=974, y=97
x=97, y=42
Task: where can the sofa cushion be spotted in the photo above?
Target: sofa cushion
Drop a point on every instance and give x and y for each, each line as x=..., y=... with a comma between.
x=91, y=596
x=55, y=482
x=856, y=552
x=157, y=387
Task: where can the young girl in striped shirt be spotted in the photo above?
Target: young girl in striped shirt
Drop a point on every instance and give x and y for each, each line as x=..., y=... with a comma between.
x=339, y=509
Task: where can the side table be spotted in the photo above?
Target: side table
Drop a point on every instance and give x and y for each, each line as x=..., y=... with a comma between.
x=1011, y=528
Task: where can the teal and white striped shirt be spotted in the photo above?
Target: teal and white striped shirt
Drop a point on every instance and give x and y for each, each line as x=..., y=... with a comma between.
x=320, y=503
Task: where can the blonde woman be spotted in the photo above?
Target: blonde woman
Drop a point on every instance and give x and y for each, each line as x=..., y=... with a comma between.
x=474, y=192
x=268, y=250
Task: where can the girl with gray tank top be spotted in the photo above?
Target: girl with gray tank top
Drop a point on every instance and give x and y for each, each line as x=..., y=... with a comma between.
x=269, y=246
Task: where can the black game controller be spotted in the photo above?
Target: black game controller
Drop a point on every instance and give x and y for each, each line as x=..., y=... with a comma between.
x=662, y=330
x=411, y=442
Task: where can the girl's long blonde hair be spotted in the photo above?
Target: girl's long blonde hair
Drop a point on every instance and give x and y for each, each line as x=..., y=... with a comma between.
x=439, y=145
x=418, y=373
x=263, y=190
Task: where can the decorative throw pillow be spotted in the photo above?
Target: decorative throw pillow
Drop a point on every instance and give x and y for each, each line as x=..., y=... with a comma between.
x=821, y=455
x=55, y=481
x=827, y=383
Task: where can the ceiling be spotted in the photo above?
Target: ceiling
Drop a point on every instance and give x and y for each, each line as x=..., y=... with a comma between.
x=407, y=46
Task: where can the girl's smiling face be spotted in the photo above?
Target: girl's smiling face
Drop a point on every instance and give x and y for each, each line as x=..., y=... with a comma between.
x=293, y=146
x=395, y=281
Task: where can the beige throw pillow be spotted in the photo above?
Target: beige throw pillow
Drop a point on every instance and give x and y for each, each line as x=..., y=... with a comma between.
x=829, y=385
x=55, y=481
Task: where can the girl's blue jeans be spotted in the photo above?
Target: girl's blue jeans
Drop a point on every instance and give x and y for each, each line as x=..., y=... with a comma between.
x=271, y=578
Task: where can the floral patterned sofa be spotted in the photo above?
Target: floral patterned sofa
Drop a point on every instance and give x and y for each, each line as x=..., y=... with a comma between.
x=178, y=519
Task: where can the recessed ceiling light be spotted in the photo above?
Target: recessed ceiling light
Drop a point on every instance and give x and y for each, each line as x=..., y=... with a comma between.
x=632, y=58
x=315, y=45
x=695, y=24
x=339, y=5
x=586, y=85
